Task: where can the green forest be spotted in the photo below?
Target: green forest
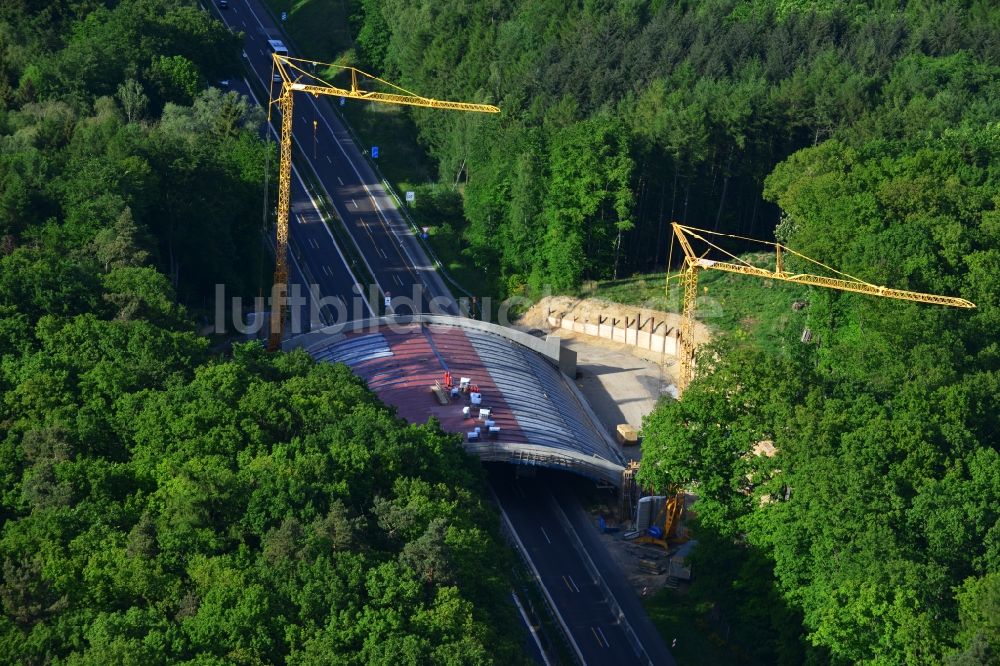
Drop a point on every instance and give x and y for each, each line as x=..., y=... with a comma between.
x=165, y=498
x=863, y=134
x=162, y=499
x=618, y=117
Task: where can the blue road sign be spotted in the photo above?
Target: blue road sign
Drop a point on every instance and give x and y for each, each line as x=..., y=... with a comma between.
x=374, y=152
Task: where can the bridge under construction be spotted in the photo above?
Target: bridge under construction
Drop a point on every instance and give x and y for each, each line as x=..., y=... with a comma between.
x=500, y=389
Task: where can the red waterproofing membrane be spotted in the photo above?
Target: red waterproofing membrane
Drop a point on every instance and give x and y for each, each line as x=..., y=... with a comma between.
x=404, y=380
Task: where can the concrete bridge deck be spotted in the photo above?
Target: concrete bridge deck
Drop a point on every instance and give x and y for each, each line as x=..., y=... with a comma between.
x=542, y=417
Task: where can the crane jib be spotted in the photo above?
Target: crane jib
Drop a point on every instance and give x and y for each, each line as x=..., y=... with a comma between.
x=693, y=263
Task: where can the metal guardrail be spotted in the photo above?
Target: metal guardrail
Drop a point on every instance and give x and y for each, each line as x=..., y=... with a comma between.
x=595, y=574
x=507, y=528
x=400, y=205
x=438, y=264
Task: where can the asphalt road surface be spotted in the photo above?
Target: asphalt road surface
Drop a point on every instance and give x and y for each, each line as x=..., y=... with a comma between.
x=401, y=269
x=322, y=289
x=595, y=630
x=394, y=257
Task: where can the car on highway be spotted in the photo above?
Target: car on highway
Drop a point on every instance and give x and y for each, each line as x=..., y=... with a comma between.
x=223, y=4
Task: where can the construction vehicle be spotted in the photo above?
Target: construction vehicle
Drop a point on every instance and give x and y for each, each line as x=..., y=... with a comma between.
x=694, y=263
x=299, y=75
x=663, y=528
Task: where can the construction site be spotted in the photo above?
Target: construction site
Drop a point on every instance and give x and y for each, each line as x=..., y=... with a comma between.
x=520, y=400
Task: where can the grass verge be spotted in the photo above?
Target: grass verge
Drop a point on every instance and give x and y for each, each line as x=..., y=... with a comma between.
x=682, y=616
x=400, y=158
x=320, y=28
x=729, y=303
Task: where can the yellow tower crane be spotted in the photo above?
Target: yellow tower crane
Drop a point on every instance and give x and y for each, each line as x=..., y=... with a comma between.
x=694, y=263
x=297, y=76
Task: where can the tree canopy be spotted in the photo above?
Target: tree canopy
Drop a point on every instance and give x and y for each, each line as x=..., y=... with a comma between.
x=619, y=117
x=163, y=498
x=864, y=135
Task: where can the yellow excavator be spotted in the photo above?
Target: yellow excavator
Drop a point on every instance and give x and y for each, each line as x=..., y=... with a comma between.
x=663, y=529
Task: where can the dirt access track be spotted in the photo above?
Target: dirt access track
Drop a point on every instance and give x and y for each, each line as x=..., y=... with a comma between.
x=622, y=382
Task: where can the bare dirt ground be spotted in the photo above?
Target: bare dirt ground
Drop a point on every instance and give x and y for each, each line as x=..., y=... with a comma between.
x=588, y=309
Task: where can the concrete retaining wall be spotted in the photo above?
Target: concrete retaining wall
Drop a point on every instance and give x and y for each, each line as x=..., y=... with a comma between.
x=654, y=336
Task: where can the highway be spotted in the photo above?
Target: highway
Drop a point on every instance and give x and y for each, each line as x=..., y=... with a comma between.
x=596, y=632
x=330, y=292
x=540, y=514
x=392, y=252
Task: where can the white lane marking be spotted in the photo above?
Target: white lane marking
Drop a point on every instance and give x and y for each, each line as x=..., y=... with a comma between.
x=343, y=259
x=538, y=577
x=250, y=7
x=244, y=24
x=313, y=243
x=379, y=250
x=339, y=179
x=531, y=628
x=327, y=271
x=304, y=120
x=545, y=534
x=355, y=204
x=410, y=267
x=328, y=159
x=396, y=278
x=603, y=638
x=572, y=582
x=261, y=51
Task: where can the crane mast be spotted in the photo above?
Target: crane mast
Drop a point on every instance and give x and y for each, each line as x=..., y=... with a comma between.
x=296, y=78
x=693, y=264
